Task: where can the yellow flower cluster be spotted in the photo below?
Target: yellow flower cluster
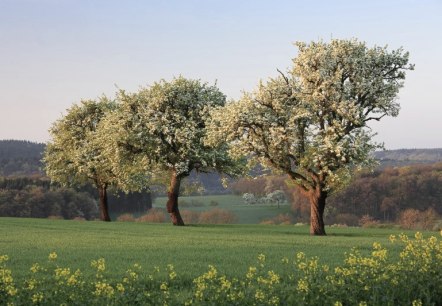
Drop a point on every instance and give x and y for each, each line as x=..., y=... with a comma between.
x=103, y=289
x=52, y=256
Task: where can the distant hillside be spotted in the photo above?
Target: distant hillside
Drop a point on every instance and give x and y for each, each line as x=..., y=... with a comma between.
x=20, y=157
x=404, y=157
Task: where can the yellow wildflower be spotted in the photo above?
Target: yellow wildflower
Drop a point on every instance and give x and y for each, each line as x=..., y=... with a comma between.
x=259, y=295
x=4, y=258
x=35, y=268
x=302, y=286
x=120, y=287
x=416, y=303
x=52, y=256
x=163, y=286
x=37, y=297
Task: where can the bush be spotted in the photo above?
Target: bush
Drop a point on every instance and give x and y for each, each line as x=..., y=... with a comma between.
x=79, y=219
x=368, y=221
x=428, y=218
x=190, y=216
x=283, y=219
x=347, y=219
x=126, y=218
x=154, y=215
x=217, y=216
x=415, y=219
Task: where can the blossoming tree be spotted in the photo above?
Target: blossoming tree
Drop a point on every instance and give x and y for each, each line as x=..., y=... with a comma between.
x=311, y=123
x=163, y=126
x=74, y=155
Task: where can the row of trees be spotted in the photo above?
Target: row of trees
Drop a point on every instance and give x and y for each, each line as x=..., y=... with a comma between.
x=36, y=197
x=310, y=123
x=383, y=195
x=39, y=202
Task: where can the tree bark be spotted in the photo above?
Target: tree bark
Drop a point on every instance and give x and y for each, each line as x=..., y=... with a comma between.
x=317, y=199
x=104, y=212
x=172, y=202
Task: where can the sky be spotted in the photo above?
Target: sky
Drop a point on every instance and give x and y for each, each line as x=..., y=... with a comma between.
x=54, y=53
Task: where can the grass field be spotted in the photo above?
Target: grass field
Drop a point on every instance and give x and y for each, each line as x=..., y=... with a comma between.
x=246, y=214
x=231, y=248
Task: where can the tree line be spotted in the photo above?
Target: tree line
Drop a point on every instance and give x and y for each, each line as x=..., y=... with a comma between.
x=35, y=197
x=382, y=195
x=310, y=122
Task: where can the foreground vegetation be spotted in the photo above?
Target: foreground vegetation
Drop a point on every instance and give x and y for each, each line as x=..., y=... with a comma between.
x=127, y=263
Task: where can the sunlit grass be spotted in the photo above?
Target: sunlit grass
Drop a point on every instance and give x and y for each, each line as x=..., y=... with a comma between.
x=246, y=214
x=56, y=261
x=190, y=249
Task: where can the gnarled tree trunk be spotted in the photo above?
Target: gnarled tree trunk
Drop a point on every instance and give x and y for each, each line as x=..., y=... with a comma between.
x=317, y=199
x=104, y=212
x=172, y=202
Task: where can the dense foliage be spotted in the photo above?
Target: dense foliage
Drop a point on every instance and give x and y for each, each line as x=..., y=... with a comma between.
x=161, y=130
x=383, y=194
x=74, y=156
x=26, y=197
x=36, y=197
x=363, y=279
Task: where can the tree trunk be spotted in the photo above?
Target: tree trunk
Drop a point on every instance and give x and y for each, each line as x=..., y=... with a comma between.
x=317, y=205
x=104, y=212
x=172, y=202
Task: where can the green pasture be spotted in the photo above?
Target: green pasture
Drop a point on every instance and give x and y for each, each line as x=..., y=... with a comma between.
x=231, y=248
x=246, y=214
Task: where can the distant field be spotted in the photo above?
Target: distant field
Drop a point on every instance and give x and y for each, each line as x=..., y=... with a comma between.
x=232, y=248
x=246, y=214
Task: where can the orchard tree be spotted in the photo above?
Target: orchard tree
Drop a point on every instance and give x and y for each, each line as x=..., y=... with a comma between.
x=74, y=155
x=163, y=128
x=311, y=122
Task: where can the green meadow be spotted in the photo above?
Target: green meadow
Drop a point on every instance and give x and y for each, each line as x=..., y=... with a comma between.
x=53, y=262
x=245, y=214
x=231, y=248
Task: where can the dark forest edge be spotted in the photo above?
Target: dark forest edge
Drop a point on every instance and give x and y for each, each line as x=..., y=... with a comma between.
x=406, y=188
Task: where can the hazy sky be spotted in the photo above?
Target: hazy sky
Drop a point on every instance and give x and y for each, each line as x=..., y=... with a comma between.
x=53, y=53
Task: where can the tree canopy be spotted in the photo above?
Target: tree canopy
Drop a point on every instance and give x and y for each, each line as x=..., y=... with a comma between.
x=162, y=128
x=74, y=156
x=311, y=122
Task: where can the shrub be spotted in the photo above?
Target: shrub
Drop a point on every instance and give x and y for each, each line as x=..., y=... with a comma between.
x=283, y=219
x=79, y=219
x=217, y=216
x=428, y=218
x=190, y=216
x=126, y=218
x=368, y=221
x=409, y=218
x=154, y=215
x=347, y=219
x=267, y=222
x=415, y=219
